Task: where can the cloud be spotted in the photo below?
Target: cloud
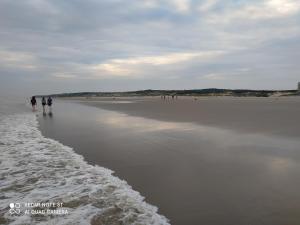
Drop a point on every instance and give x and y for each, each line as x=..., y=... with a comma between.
x=214, y=76
x=181, y=5
x=130, y=66
x=43, y=6
x=117, y=44
x=168, y=58
x=261, y=10
x=133, y=67
x=207, y=5
x=63, y=75
x=283, y=7
x=18, y=60
x=234, y=74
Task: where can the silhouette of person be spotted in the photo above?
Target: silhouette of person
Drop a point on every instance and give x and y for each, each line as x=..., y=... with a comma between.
x=49, y=103
x=33, y=103
x=44, y=104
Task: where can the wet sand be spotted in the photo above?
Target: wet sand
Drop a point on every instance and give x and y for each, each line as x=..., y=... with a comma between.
x=265, y=115
x=213, y=161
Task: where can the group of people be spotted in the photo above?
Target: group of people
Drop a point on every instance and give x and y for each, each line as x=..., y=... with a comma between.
x=44, y=103
x=173, y=97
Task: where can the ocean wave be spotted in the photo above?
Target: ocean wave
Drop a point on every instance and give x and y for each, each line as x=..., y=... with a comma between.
x=37, y=169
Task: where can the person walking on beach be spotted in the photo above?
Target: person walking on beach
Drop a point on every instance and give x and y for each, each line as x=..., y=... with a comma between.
x=33, y=103
x=49, y=103
x=44, y=104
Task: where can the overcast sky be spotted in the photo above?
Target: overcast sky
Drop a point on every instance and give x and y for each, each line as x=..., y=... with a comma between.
x=53, y=46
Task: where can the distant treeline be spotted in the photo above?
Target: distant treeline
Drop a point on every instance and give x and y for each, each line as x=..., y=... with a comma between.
x=193, y=92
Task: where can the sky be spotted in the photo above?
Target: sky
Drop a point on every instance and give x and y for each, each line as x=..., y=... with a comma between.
x=56, y=46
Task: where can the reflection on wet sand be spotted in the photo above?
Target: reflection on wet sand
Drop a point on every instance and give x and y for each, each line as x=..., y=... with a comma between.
x=139, y=124
x=219, y=136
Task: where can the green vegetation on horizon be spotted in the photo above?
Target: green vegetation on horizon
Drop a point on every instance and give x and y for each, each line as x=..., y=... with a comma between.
x=192, y=92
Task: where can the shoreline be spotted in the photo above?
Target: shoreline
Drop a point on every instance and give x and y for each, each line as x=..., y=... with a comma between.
x=50, y=183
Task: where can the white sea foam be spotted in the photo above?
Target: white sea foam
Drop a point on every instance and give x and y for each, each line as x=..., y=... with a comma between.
x=37, y=169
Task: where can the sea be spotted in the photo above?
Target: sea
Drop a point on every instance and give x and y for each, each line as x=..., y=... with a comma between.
x=45, y=182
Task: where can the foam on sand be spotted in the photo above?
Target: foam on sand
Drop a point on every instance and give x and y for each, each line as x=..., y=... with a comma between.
x=37, y=169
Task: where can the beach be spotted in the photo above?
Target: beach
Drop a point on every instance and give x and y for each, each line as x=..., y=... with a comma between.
x=266, y=115
x=213, y=161
x=153, y=112
x=43, y=181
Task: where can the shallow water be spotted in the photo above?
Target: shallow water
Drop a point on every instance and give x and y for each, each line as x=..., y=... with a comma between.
x=35, y=169
x=194, y=174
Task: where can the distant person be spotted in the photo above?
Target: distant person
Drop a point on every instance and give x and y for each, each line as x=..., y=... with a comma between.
x=49, y=103
x=44, y=104
x=33, y=103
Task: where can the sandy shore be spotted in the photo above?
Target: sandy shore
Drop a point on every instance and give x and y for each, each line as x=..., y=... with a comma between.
x=266, y=115
x=213, y=161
